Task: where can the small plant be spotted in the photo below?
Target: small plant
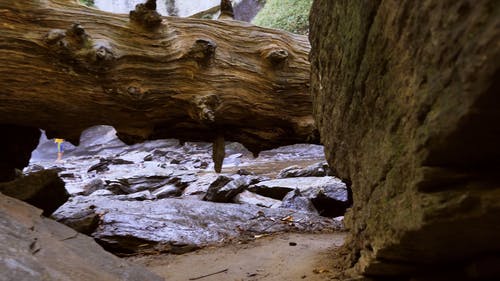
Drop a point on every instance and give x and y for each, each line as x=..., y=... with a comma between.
x=289, y=15
x=89, y=3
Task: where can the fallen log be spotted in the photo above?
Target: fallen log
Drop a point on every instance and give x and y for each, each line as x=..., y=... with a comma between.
x=65, y=67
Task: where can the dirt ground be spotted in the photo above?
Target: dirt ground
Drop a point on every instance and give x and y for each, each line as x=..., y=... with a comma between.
x=283, y=257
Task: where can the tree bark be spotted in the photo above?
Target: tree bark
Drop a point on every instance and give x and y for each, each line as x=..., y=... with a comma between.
x=65, y=67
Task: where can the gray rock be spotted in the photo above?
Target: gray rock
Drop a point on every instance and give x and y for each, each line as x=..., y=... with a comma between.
x=315, y=170
x=136, y=184
x=104, y=164
x=169, y=190
x=37, y=248
x=225, y=188
x=294, y=200
x=308, y=186
x=101, y=192
x=93, y=185
x=328, y=194
x=43, y=189
x=167, y=224
x=141, y=195
x=247, y=197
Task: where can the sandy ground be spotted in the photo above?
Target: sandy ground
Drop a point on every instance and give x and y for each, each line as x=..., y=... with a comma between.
x=272, y=258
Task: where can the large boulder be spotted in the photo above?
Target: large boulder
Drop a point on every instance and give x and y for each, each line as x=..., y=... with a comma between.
x=178, y=225
x=406, y=100
x=37, y=248
x=43, y=189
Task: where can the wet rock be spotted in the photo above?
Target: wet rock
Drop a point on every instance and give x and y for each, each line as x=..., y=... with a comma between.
x=163, y=225
x=93, y=185
x=136, y=184
x=169, y=190
x=294, y=200
x=37, y=248
x=225, y=188
x=141, y=195
x=104, y=164
x=43, y=189
x=247, y=197
x=315, y=170
x=200, y=187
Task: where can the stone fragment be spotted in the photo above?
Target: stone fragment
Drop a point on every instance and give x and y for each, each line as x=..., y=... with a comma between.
x=247, y=197
x=223, y=193
x=315, y=170
x=166, y=191
x=294, y=200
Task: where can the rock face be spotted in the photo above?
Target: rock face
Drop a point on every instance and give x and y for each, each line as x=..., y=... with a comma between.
x=37, y=248
x=43, y=189
x=406, y=100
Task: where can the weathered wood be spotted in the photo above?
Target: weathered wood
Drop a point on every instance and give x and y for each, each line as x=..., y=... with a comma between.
x=65, y=67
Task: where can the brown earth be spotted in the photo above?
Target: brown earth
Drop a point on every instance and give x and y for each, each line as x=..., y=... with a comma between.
x=271, y=258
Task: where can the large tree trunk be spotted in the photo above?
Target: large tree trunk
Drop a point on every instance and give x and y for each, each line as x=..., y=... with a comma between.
x=65, y=67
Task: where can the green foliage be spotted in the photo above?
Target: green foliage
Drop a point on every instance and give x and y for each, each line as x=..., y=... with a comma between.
x=289, y=15
x=89, y=3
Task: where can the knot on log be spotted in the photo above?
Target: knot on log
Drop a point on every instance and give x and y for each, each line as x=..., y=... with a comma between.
x=205, y=107
x=75, y=47
x=103, y=52
x=78, y=34
x=202, y=51
x=277, y=56
x=146, y=15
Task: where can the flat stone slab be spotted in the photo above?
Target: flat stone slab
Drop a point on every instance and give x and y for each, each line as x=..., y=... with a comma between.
x=180, y=225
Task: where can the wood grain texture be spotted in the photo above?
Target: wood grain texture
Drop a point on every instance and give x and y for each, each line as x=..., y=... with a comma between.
x=65, y=67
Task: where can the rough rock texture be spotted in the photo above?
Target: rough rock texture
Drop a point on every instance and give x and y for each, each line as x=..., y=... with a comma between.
x=35, y=248
x=174, y=225
x=43, y=189
x=406, y=97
